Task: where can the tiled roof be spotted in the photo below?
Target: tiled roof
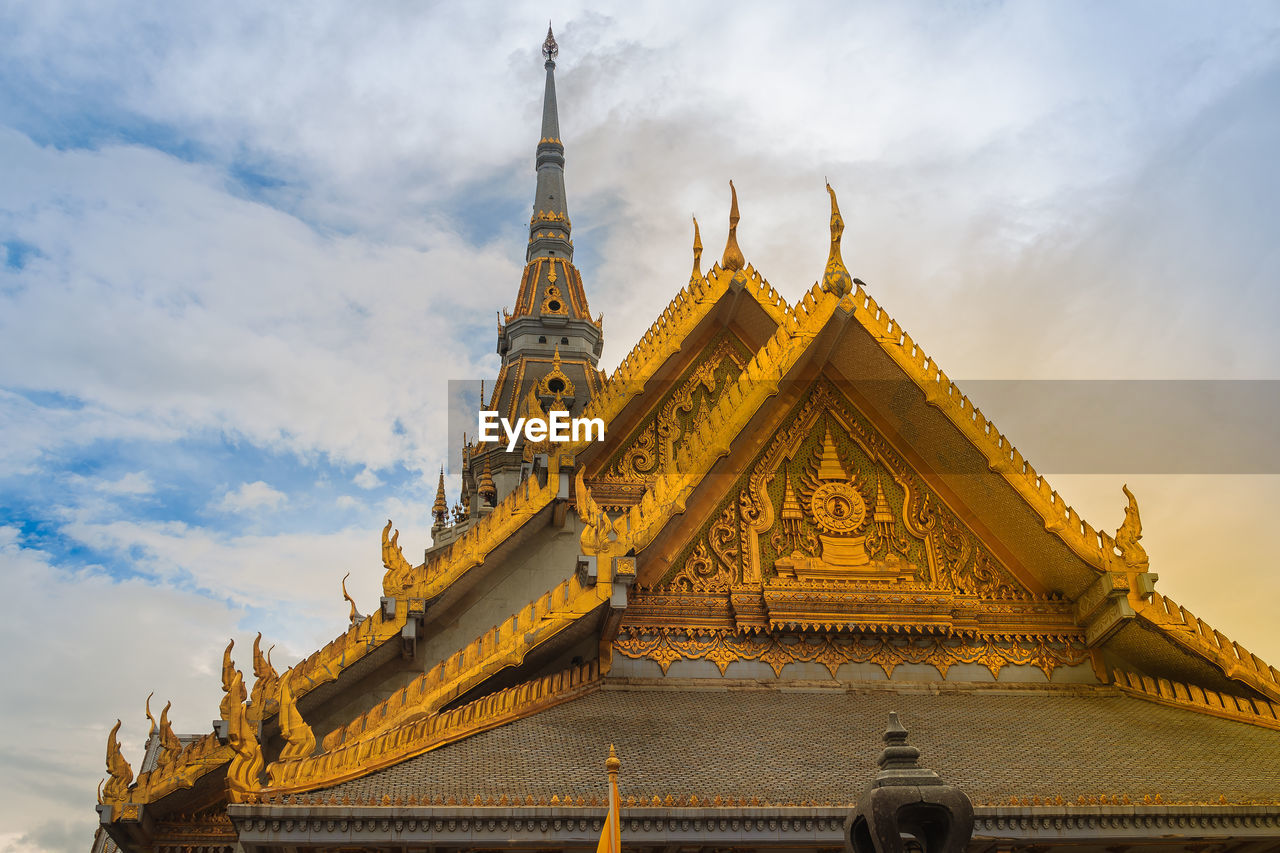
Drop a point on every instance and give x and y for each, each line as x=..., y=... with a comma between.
x=820, y=746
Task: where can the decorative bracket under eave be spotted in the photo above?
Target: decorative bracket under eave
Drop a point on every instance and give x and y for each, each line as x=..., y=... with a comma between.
x=1109, y=602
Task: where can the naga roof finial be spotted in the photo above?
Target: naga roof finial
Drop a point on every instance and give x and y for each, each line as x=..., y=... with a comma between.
x=733, y=259
x=697, y=253
x=356, y=616
x=836, y=278
x=550, y=50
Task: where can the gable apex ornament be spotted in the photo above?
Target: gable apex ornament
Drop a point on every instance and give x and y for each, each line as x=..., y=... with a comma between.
x=836, y=278
x=732, y=258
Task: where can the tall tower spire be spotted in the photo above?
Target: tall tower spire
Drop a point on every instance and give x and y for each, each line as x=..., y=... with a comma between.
x=549, y=343
x=549, y=227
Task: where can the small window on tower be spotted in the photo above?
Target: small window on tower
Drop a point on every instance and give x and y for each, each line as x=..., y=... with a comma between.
x=542, y=339
x=553, y=305
x=564, y=341
x=555, y=386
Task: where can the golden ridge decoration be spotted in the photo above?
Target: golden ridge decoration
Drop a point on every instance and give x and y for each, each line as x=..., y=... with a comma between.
x=696, y=275
x=300, y=742
x=1085, y=541
x=421, y=734
x=355, y=616
x=170, y=746
x=836, y=278
x=232, y=688
x=732, y=258
x=265, y=683
x=1200, y=638
x=659, y=437
x=1258, y=712
x=399, y=571
x=119, y=773
x=244, y=774
x=723, y=647
x=1128, y=534
x=505, y=645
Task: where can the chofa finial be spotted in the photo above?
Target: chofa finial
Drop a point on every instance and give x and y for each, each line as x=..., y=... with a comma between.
x=550, y=50
x=733, y=259
x=1127, y=536
x=836, y=278
x=697, y=253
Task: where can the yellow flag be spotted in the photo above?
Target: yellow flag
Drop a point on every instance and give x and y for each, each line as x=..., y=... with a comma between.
x=611, y=834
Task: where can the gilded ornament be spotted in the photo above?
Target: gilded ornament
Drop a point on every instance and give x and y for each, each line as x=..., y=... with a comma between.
x=232, y=687
x=696, y=275
x=836, y=278
x=119, y=773
x=355, y=616
x=265, y=681
x=244, y=774
x=732, y=259
x=1128, y=534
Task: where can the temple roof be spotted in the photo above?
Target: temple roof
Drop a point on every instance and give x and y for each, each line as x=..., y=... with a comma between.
x=818, y=745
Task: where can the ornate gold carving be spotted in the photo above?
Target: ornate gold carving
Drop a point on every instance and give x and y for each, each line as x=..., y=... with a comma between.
x=732, y=258
x=418, y=734
x=724, y=647
x=1128, y=534
x=836, y=278
x=660, y=436
x=399, y=571
x=265, y=684
x=355, y=617
x=300, y=742
x=119, y=773
x=439, y=510
x=555, y=384
x=825, y=513
x=696, y=275
x=232, y=687
x=244, y=774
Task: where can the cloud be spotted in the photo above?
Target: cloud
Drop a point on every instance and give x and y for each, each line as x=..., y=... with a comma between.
x=366, y=479
x=251, y=496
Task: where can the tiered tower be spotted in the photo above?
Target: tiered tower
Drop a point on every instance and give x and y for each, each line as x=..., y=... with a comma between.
x=549, y=343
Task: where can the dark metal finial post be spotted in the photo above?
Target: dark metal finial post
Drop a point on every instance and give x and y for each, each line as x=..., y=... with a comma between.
x=907, y=801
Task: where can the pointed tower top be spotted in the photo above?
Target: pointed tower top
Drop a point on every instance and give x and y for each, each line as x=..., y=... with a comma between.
x=836, y=278
x=733, y=259
x=550, y=50
x=440, y=509
x=612, y=763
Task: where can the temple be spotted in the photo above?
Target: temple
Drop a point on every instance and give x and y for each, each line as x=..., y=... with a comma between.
x=795, y=525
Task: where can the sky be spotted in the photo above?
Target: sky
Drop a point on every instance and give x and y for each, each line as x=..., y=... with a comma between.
x=245, y=246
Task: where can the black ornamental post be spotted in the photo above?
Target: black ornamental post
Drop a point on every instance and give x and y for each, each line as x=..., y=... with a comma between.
x=905, y=802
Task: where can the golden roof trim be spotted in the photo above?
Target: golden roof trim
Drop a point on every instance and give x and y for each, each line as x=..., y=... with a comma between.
x=668, y=332
x=1087, y=543
x=496, y=649
x=417, y=736
x=1197, y=636
x=1177, y=694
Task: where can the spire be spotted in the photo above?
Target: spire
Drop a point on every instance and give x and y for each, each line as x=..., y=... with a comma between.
x=549, y=227
x=836, y=278
x=440, y=510
x=697, y=253
x=733, y=259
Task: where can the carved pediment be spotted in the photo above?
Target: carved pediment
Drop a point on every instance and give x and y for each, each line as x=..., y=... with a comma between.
x=650, y=448
x=830, y=526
